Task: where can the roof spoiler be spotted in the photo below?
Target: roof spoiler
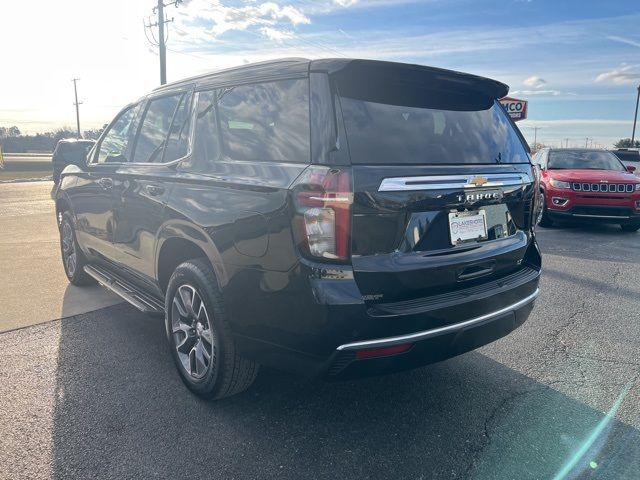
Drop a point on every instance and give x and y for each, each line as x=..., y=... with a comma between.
x=411, y=74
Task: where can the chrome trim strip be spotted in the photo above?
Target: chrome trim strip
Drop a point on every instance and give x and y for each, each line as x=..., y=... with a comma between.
x=123, y=292
x=415, y=337
x=615, y=217
x=444, y=182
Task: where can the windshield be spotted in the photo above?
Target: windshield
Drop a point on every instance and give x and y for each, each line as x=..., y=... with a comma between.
x=583, y=159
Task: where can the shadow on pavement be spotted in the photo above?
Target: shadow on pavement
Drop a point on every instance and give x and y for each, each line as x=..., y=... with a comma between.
x=122, y=412
x=586, y=241
x=599, y=286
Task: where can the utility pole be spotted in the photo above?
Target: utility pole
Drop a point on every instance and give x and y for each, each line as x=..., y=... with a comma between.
x=635, y=119
x=567, y=143
x=162, y=44
x=161, y=40
x=535, y=134
x=77, y=104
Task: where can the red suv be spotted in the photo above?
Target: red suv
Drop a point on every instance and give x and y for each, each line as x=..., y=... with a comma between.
x=587, y=184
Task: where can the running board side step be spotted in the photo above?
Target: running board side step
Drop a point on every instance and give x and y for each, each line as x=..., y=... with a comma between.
x=126, y=290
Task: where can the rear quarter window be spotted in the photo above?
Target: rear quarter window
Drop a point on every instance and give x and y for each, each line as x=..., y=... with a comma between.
x=267, y=121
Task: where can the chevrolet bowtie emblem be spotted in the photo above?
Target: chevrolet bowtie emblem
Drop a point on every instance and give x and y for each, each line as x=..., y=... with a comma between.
x=478, y=181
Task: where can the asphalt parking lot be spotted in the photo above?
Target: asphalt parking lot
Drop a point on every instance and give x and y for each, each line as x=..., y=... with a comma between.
x=95, y=395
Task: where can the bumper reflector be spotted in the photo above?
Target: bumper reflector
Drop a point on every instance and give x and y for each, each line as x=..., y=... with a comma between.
x=384, y=351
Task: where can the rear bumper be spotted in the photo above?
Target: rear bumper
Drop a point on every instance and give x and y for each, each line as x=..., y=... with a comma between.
x=432, y=345
x=444, y=330
x=431, y=329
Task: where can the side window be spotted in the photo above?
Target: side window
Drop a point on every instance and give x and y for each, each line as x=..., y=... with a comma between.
x=178, y=141
x=154, y=129
x=206, y=149
x=114, y=145
x=268, y=121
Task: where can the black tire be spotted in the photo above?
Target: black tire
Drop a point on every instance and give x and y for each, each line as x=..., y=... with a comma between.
x=226, y=373
x=543, y=219
x=74, y=269
x=630, y=227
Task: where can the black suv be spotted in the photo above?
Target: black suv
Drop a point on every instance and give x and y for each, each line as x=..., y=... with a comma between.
x=336, y=217
x=69, y=151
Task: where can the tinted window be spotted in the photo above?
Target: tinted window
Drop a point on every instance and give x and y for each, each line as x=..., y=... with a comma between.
x=583, y=159
x=74, y=153
x=154, y=129
x=268, y=121
x=628, y=156
x=178, y=141
x=206, y=149
x=413, y=125
x=113, y=147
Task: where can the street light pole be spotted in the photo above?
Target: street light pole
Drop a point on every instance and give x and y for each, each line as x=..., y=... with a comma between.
x=635, y=119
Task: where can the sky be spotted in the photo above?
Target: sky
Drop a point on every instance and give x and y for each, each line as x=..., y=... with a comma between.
x=576, y=62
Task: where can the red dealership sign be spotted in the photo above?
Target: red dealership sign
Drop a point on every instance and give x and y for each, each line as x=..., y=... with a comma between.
x=517, y=109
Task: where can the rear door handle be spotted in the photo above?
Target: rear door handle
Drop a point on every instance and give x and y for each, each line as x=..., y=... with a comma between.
x=154, y=190
x=106, y=183
x=475, y=271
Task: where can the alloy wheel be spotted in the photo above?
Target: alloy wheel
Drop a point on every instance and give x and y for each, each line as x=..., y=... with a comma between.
x=191, y=330
x=69, y=254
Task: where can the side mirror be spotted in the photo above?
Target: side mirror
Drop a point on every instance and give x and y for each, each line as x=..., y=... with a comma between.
x=631, y=168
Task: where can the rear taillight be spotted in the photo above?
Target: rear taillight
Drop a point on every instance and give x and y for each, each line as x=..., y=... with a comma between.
x=323, y=198
x=538, y=198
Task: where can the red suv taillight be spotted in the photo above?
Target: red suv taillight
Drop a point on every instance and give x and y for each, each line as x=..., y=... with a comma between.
x=323, y=198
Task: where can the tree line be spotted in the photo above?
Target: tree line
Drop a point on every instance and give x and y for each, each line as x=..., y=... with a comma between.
x=13, y=141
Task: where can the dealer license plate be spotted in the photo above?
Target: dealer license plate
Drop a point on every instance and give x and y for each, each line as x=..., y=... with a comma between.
x=467, y=226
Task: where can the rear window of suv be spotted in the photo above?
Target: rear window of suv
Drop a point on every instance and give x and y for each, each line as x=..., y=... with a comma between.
x=74, y=152
x=408, y=124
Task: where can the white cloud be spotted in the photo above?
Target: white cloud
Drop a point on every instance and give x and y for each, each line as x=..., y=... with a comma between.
x=225, y=19
x=628, y=41
x=622, y=75
x=553, y=93
x=534, y=82
x=345, y=3
x=277, y=35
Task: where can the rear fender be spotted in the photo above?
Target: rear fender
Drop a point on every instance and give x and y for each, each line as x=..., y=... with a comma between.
x=196, y=235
